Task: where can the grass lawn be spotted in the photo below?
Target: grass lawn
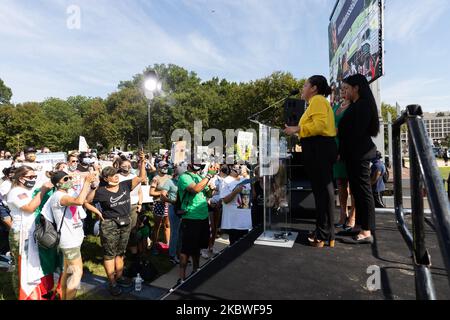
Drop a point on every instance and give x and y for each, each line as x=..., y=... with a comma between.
x=92, y=262
x=444, y=172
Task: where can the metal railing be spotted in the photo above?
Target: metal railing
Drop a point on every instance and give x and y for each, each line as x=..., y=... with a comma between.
x=424, y=172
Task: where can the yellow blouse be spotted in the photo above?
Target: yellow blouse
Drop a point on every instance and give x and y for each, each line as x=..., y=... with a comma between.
x=318, y=119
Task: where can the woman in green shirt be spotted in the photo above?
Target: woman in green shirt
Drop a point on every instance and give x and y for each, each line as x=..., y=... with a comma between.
x=340, y=172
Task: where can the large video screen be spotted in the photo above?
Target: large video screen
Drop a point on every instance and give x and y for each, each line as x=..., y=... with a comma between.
x=356, y=40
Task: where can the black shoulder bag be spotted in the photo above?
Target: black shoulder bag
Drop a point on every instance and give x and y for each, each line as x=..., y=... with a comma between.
x=45, y=234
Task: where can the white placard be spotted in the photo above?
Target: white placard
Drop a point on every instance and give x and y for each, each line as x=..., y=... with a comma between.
x=146, y=198
x=178, y=152
x=52, y=158
x=244, y=145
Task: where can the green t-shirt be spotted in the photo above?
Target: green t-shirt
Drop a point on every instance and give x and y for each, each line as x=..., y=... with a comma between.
x=196, y=206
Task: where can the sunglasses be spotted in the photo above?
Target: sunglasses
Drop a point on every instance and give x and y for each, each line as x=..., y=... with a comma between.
x=65, y=179
x=31, y=177
x=74, y=161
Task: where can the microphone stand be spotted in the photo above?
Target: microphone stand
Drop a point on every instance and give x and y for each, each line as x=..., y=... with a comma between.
x=253, y=117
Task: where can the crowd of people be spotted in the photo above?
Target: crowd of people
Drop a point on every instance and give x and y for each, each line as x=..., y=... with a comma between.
x=192, y=201
x=80, y=195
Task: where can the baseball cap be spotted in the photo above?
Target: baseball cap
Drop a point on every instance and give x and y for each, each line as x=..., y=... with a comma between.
x=30, y=150
x=58, y=176
x=162, y=164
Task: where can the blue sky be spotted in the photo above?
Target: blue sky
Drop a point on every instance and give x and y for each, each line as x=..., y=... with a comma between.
x=239, y=40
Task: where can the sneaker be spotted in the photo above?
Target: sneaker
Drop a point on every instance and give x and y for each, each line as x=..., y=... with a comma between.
x=174, y=260
x=124, y=282
x=114, y=289
x=180, y=281
x=204, y=253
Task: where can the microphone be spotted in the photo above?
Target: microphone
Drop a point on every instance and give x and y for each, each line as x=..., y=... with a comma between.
x=295, y=92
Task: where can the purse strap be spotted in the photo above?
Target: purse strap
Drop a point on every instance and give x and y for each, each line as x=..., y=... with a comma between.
x=62, y=220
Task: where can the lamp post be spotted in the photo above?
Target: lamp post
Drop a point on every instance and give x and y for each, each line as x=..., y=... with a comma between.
x=151, y=86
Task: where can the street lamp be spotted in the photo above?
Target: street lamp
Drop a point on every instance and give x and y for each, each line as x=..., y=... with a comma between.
x=152, y=85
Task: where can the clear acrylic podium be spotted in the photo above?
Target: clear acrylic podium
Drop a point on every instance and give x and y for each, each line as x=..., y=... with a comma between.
x=277, y=214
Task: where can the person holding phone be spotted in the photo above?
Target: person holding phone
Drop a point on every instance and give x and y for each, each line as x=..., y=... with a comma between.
x=114, y=201
x=195, y=229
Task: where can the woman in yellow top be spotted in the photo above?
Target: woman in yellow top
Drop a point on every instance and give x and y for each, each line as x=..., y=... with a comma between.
x=317, y=132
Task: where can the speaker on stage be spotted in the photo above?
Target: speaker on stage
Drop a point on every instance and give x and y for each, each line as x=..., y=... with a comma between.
x=293, y=111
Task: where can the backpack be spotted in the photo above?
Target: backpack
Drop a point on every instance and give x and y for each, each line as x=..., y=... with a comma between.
x=144, y=267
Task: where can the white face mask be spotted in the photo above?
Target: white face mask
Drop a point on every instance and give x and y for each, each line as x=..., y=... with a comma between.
x=88, y=161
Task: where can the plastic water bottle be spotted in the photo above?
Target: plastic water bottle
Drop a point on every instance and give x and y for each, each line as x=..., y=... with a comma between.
x=138, y=283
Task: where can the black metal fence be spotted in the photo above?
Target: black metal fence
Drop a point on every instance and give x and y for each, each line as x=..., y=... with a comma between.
x=424, y=175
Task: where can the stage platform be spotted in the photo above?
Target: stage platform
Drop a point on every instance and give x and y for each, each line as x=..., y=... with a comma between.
x=252, y=272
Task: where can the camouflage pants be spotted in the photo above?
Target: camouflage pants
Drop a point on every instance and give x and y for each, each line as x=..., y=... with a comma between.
x=14, y=243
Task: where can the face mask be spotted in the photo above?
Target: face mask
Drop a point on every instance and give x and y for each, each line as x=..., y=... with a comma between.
x=113, y=184
x=66, y=186
x=87, y=161
x=196, y=168
x=164, y=171
x=125, y=172
x=29, y=183
x=236, y=171
x=72, y=168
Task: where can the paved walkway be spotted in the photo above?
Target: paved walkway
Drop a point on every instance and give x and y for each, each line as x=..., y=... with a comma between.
x=96, y=288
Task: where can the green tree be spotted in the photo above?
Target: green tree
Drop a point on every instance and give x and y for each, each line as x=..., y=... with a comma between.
x=23, y=128
x=387, y=108
x=98, y=127
x=5, y=93
x=62, y=126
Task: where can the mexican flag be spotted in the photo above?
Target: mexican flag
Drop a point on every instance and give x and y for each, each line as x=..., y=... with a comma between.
x=37, y=266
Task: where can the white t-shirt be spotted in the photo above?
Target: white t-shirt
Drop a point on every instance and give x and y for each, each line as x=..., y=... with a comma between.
x=236, y=214
x=5, y=187
x=17, y=198
x=72, y=233
x=218, y=182
x=134, y=194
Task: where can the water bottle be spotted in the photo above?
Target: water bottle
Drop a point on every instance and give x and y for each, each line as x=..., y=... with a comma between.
x=138, y=283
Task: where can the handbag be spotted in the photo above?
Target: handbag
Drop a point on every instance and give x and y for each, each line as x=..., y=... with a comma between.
x=122, y=221
x=45, y=234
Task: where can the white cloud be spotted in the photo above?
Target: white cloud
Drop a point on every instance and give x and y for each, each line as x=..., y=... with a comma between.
x=431, y=94
x=405, y=20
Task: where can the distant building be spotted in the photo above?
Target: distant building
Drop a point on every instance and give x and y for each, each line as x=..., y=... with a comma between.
x=437, y=126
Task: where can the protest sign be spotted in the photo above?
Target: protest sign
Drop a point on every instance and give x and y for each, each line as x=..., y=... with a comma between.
x=244, y=146
x=178, y=152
